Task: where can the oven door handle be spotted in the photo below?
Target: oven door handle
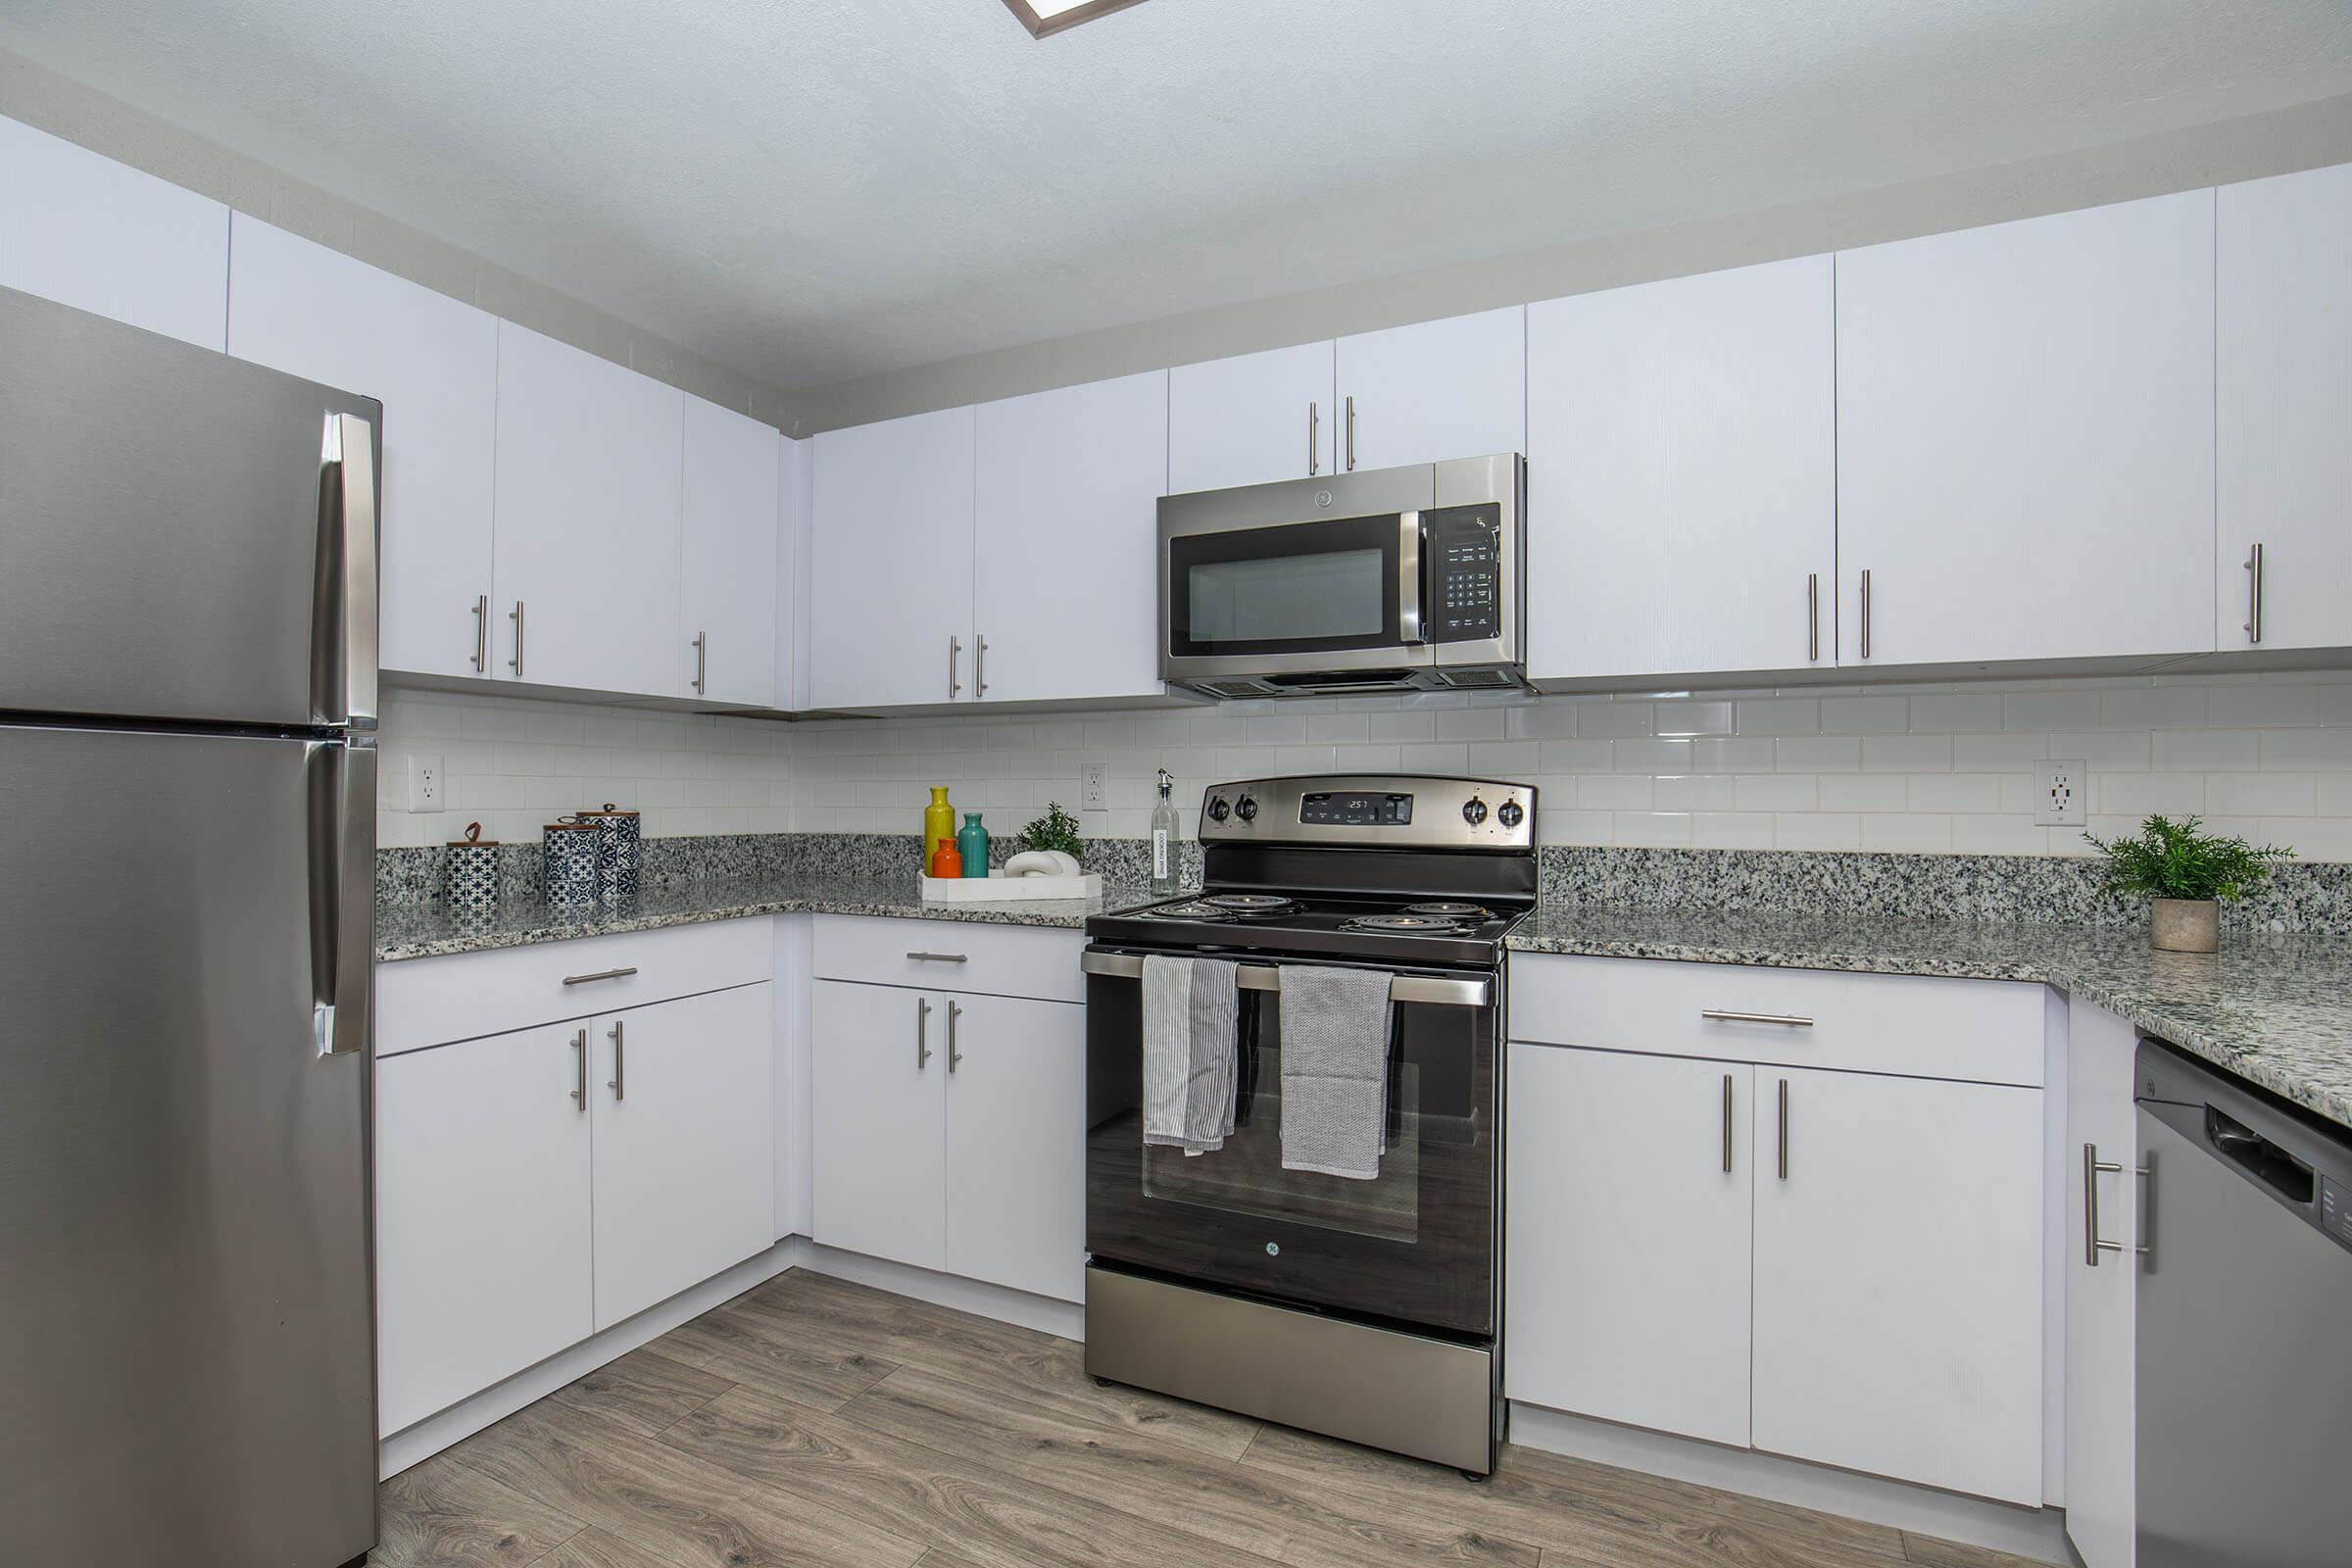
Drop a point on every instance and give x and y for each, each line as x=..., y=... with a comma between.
x=1413, y=987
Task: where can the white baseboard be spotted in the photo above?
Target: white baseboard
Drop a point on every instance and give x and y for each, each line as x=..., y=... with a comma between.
x=2038, y=1534
x=420, y=1441
x=1044, y=1313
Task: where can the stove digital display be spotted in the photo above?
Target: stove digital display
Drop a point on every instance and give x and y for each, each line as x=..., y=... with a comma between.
x=1357, y=809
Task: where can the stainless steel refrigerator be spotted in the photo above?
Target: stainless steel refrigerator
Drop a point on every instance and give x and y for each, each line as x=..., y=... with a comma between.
x=187, y=828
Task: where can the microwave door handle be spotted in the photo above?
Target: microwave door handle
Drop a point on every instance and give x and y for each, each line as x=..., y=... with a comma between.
x=1411, y=583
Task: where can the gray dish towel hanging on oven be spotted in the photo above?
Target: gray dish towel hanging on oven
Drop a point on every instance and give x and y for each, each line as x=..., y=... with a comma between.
x=1334, y=1069
x=1189, y=1035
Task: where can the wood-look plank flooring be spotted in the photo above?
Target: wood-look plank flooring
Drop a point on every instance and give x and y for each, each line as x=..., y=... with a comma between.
x=814, y=1423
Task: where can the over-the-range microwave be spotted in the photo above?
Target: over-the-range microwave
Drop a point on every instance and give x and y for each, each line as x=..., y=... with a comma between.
x=1392, y=579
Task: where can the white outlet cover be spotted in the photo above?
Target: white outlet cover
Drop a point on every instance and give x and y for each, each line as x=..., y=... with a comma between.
x=428, y=791
x=1093, y=787
x=2063, y=799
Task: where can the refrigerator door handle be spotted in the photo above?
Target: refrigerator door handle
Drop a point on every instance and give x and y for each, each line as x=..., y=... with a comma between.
x=348, y=538
x=342, y=803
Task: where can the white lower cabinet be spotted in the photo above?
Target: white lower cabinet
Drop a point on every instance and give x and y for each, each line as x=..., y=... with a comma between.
x=951, y=1133
x=482, y=1215
x=1016, y=1143
x=2102, y=1287
x=1836, y=1265
x=685, y=1173
x=536, y=1187
x=878, y=1155
x=1898, y=1277
x=1627, y=1289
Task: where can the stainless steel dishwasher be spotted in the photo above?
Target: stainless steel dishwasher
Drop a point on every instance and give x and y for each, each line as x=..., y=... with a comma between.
x=2244, y=1356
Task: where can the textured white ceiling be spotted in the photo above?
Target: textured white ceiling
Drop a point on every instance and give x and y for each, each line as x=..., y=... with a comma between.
x=811, y=190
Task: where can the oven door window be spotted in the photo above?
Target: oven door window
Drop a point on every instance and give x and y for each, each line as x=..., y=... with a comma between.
x=1414, y=1245
x=1295, y=588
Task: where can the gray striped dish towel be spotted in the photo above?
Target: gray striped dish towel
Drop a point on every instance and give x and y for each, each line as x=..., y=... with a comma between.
x=1335, y=1070
x=1190, y=1032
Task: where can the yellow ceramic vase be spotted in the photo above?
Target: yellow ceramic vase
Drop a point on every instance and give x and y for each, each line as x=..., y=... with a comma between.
x=939, y=822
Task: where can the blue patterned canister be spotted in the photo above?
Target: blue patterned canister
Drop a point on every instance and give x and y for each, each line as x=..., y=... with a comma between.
x=472, y=873
x=568, y=851
x=616, y=856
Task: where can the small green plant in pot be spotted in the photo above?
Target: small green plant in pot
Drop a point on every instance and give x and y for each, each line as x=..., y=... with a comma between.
x=2184, y=875
x=1057, y=829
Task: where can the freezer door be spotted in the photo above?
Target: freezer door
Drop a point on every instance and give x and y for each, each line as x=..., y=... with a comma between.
x=186, y=1330
x=183, y=536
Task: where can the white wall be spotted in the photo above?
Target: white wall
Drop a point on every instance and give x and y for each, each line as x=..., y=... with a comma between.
x=1932, y=769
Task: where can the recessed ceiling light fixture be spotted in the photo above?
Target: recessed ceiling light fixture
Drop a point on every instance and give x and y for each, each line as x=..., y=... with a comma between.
x=1044, y=18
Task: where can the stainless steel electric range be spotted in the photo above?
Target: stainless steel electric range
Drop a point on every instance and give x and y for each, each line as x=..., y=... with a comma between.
x=1366, y=1310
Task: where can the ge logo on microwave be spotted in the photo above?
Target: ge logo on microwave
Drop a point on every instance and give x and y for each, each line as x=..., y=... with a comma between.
x=1273, y=1249
x=1322, y=498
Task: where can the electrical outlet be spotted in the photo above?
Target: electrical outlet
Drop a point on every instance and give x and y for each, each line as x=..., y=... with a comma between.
x=425, y=789
x=1093, y=786
x=2063, y=801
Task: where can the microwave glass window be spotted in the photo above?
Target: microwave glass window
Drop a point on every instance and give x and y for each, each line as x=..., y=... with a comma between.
x=1310, y=598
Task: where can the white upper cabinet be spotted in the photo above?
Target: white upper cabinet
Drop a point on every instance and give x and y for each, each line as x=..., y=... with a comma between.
x=1682, y=447
x=891, y=563
x=1898, y=1305
x=587, y=537
x=2026, y=440
x=1251, y=420
x=792, y=573
x=101, y=237
x=1066, y=507
x=432, y=362
x=727, y=568
x=1434, y=390
x=2284, y=328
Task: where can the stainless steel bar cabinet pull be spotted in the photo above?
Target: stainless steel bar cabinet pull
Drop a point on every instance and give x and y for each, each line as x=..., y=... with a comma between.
x=1731, y=1015
x=2093, y=1167
x=620, y=1056
x=923, y=1033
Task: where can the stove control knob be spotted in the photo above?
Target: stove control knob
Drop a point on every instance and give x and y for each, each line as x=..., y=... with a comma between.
x=1218, y=810
x=1510, y=813
x=1475, y=812
x=1246, y=810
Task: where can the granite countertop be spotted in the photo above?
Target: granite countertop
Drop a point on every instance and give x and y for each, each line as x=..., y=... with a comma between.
x=2276, y=1010
x=431, y=930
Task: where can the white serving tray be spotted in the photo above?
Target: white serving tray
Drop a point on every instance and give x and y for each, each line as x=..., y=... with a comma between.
x=998, y=888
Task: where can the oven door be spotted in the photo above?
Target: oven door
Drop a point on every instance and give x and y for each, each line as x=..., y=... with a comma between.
x=1414, y=1247
x=1299, y=578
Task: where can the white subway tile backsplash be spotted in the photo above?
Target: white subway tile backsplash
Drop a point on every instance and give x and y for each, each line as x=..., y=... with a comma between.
x=1906, y=753
x=1817, y=830
x=1954, y=792
x=1793, y=715
x=1693, y=792
x=1817, y=753
x=2316, y=748
x=1653, y=756
x=2048, y=710
x=1927, y=765
x=1778, y=791
x=1612, y=720
x=1912, y=832
x=2262, y=793
x=1863, y=792
x=1865, y=715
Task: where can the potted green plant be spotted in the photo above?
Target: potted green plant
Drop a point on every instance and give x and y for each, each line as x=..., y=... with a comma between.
x=2184, y=875
x=1057, y=829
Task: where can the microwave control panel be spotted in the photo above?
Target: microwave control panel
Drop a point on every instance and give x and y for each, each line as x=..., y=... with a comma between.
x=1463, y=549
